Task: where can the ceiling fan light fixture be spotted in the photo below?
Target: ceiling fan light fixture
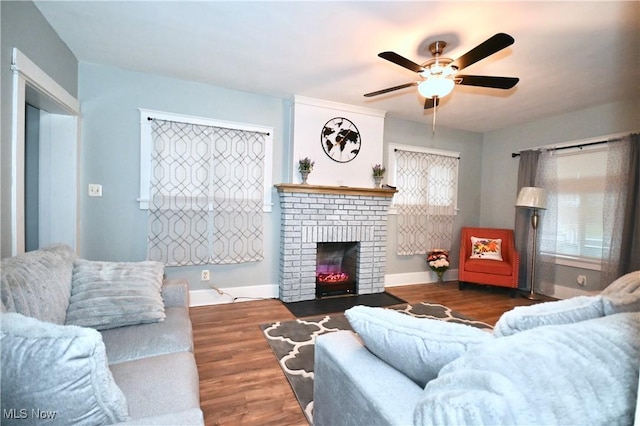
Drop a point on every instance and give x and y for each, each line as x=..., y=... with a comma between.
x=436, y=87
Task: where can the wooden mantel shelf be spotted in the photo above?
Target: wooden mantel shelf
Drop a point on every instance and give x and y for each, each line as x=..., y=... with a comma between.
x=337, y=190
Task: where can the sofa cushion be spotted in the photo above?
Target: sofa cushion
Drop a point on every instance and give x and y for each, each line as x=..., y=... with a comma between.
x=38, y=283
x=143, y=340
x=159, y=384
x=565, y=311
x=580, y=373
x=485, y=266
x=59, y=369
x=115, y=294
x=623, y=295
x=418, y=347
x=486, y=248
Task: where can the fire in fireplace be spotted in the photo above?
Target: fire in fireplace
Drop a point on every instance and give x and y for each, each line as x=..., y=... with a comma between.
x=336, y=266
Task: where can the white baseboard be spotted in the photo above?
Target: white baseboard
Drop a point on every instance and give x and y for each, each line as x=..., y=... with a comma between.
x=411, y=278
x=207, y=296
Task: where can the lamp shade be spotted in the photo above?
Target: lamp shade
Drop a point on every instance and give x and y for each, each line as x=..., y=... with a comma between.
x=532, y=197
x=436, y=86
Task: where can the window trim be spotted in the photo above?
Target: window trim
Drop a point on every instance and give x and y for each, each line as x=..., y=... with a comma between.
x=146, y=143
x=575, y=262
x=392, y=167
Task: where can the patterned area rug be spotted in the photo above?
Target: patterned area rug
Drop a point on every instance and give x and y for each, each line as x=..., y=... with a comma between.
x=293, y=343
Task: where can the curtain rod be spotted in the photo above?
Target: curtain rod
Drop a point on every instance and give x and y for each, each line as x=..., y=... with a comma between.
x=434, y=153
x=582, y=145
x=253, y=131
x=579, y=144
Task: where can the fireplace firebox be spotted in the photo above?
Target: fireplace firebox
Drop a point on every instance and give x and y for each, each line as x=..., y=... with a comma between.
x=336, y=269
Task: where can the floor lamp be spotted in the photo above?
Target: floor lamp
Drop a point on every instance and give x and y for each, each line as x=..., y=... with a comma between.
x=533, y=198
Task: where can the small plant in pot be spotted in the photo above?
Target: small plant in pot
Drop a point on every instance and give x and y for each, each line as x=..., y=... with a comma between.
x=378, y=174
x=305, y=165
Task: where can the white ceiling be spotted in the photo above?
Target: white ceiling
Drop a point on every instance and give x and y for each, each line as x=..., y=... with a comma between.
x=568, y=55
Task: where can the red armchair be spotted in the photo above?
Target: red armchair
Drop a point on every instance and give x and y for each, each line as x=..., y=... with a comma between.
x=485, y=271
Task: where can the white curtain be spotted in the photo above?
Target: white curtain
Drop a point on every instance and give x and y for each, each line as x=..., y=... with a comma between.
x=613, y=215
x=206, y=195
x=426, y=201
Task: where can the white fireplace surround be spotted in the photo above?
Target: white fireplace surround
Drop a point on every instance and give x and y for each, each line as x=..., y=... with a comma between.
x=317, y=214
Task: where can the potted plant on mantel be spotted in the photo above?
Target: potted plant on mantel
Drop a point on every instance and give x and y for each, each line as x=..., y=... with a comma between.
x=378, y=174
x=305, y=165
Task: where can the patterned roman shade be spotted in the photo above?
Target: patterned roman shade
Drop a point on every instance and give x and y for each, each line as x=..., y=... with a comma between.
x=426, y=201
x=206, y=194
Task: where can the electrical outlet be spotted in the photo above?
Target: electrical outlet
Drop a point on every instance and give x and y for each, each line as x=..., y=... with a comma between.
x=582, y=280
x=204, y=275
x=95, y=190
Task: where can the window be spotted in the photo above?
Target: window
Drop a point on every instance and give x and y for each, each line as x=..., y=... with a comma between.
x=204, y=184
x=426, y=202
x=581, y=186
x=573, y=226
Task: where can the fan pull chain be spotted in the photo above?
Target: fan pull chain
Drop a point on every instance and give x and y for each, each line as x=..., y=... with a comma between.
x=435, y=109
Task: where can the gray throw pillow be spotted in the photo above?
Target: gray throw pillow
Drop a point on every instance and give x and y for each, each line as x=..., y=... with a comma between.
x=417, y=347
x=38, y=283
x=622, y=295
x=567, y=311
x=56, y=371
x=115, y=294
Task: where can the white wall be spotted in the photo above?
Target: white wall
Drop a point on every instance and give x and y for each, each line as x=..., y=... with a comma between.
x=309, y=118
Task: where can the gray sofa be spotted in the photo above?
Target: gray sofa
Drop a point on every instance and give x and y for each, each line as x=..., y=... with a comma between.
x=574, y=361
x=86, y=342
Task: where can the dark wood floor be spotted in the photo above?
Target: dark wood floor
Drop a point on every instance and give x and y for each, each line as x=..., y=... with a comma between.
x=240, y=380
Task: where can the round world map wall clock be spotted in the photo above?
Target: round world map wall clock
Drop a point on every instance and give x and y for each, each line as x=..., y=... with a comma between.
x=340, y=139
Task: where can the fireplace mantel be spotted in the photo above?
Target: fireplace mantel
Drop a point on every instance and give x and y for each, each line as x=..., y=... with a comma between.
x=336, y=190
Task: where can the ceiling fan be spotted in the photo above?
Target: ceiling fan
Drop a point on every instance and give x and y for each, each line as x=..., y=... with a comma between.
x=439, y=74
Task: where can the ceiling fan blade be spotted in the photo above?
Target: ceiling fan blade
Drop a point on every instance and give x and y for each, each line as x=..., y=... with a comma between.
x=429, y=103
x=484, y=81
x=484, y=49
x=401, y=60
x=390, y=89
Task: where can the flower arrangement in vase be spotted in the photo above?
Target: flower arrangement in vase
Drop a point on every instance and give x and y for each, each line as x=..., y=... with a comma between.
x=378, y=173
x=305, y=165
x=438, y=261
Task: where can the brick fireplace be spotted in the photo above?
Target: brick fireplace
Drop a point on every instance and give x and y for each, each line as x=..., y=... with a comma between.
x=313, y=215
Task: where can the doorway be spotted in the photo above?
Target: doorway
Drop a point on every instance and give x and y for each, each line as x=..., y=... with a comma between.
x=58, y=129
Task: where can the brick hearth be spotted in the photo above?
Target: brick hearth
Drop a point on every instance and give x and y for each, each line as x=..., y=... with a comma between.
x=316, y=214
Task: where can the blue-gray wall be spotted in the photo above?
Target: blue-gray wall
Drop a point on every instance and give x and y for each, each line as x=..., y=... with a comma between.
x=469, y=145
x=113, y=226
x=24, y=27
x=500, y=170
